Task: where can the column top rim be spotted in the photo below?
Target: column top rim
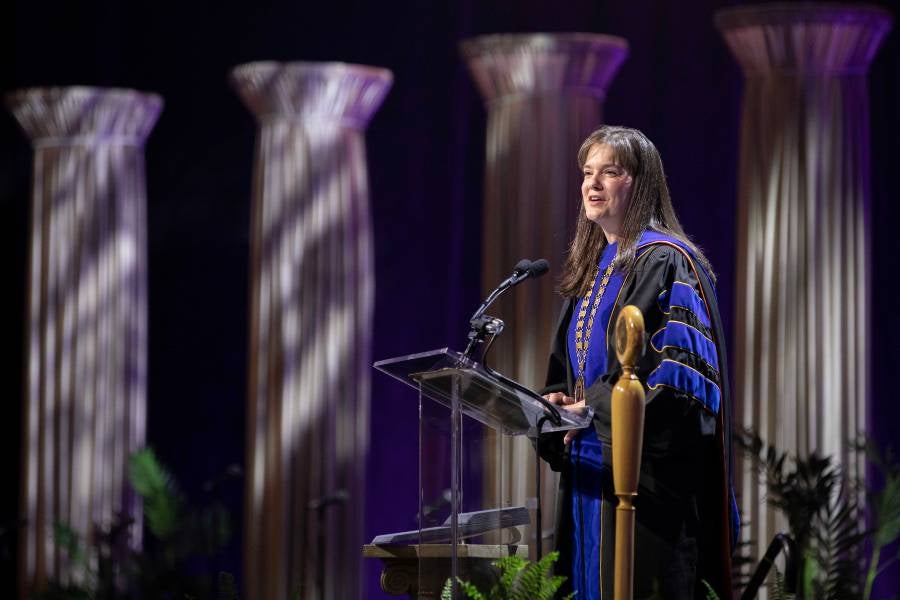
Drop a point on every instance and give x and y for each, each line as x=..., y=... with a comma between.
x=475, y=46
x=84, y=115
x=346, y=92
x=779, y=13
x=522, y=65
x=129, y=94
x=312, y=67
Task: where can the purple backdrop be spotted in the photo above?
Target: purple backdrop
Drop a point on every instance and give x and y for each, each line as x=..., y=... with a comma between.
x=425, y=145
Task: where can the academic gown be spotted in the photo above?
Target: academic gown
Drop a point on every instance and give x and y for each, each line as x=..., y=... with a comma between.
x=686, y=519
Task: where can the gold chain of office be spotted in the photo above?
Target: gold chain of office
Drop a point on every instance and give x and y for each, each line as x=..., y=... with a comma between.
x=582, y=334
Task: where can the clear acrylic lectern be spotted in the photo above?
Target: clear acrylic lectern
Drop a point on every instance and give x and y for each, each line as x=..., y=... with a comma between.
x=464, y=520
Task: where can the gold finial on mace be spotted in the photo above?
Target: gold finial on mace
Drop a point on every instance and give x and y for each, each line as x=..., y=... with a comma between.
x=627, y=439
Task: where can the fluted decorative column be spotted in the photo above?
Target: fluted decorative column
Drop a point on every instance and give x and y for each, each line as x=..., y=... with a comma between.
x=544, y=94
x=85, y=389
x=803, y=322
x=312, y=284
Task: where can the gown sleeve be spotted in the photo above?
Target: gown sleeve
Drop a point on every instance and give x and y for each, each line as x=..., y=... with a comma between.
x=550, y=445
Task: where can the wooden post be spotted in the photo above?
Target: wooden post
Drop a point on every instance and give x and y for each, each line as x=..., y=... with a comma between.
x=627, y=439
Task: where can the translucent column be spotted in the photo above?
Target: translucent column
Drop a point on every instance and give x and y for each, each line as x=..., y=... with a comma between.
x=544, y=94
x=85, y=405
x=802, y=339
x=312, y=280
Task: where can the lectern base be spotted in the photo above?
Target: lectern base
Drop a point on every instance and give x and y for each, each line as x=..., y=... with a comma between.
x=400, y=575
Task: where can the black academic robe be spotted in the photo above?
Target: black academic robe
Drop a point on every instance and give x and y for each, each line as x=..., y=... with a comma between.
x=685, y=515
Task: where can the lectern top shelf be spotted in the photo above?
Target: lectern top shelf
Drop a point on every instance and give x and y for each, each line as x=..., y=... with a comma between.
x=484, y=394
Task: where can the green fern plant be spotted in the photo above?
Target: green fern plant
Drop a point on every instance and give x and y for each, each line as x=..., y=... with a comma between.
x=778, y=587
x=518, y=579
x=163, y=500
x=179, y=538
x=819, y=502
x=886, y=503
x=68, y=540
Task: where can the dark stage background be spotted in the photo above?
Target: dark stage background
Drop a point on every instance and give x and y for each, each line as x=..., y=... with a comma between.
x=425, y=147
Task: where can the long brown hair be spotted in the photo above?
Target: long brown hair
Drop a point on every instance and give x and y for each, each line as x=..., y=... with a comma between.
x=649, y=207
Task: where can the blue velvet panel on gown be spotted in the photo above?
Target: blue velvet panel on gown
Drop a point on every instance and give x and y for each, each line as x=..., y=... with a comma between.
x=588, y=473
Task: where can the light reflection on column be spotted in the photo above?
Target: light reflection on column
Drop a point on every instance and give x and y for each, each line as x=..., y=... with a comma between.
x=802, y=340
x=312, y=285
x=85, y=408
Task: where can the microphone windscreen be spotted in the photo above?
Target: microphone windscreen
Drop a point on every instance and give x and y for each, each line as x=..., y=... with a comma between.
x=539, y=267
x=522, y=266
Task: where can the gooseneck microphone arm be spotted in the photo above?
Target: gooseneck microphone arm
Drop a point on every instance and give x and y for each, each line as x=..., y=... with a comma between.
x=482, y=325
x=520, y=273
x=524, y=269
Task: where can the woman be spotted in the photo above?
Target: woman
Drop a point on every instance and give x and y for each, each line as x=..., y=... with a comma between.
x=629, y=248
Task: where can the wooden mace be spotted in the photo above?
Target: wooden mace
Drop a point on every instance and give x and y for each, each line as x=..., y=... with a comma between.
x=627, y=438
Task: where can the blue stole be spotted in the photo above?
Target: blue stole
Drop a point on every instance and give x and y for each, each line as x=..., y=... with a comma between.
x=588, y=472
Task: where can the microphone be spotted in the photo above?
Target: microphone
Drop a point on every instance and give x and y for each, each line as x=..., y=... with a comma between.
x=481, y=325
x=524, y=269
x=522, y=266
x=538, y=268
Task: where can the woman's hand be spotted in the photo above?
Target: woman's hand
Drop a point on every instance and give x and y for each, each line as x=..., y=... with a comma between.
x=567, y=403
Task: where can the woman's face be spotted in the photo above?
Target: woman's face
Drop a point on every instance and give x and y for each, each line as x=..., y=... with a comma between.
x=605, y=191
